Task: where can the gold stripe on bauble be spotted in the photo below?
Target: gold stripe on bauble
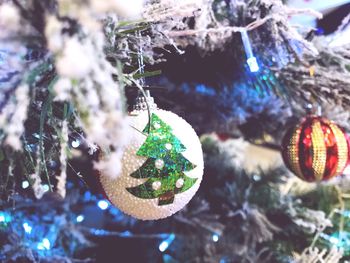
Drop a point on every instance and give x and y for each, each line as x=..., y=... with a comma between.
x=319, y=152
x=342, y=147
x=293, y=152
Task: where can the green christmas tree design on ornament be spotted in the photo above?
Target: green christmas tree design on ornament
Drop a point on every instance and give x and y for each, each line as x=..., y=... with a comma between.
x=164, y=167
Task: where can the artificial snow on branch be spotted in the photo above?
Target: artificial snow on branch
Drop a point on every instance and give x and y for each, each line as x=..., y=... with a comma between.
x=313, y=254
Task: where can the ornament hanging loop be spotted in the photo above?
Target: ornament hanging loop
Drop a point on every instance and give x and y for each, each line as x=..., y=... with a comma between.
x=144, y=101
x=140, y=60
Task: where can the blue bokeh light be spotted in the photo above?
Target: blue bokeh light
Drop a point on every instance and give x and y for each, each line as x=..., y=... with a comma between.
x=25, y=184
x=166, y=243
x=27, y=228
x=44, y=244
x=80, y=218
x=215, y=237
x=163, y=246
x=46, y=187
x=75, y=143
x=103, y=204
x=5, y=217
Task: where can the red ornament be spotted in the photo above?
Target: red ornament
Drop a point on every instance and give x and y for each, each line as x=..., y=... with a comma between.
x=316, y=150
x=223, y=136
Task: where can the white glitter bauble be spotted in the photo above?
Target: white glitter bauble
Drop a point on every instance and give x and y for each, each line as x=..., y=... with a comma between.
x=148, y=209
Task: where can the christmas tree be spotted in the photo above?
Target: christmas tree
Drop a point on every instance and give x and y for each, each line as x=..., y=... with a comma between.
x=241, y=72
x=165, y=165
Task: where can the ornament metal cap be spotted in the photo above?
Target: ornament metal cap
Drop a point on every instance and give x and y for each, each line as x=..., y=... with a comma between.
x=141, y=103
x=313, y=110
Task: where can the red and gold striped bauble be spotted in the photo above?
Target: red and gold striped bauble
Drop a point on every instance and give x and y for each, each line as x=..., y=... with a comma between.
x=316, y=150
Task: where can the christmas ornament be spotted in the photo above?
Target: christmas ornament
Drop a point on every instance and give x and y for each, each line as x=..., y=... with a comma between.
x=162, y=166
x=315, y=150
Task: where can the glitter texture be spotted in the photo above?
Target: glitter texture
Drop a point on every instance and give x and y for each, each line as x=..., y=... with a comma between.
x=164, y=164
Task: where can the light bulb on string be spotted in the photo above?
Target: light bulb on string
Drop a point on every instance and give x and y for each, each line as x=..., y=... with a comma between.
x=46, y=187
x=166, y=243
x=25, y=184
x=251, y=59
x=215, y=237
x=76, y=143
